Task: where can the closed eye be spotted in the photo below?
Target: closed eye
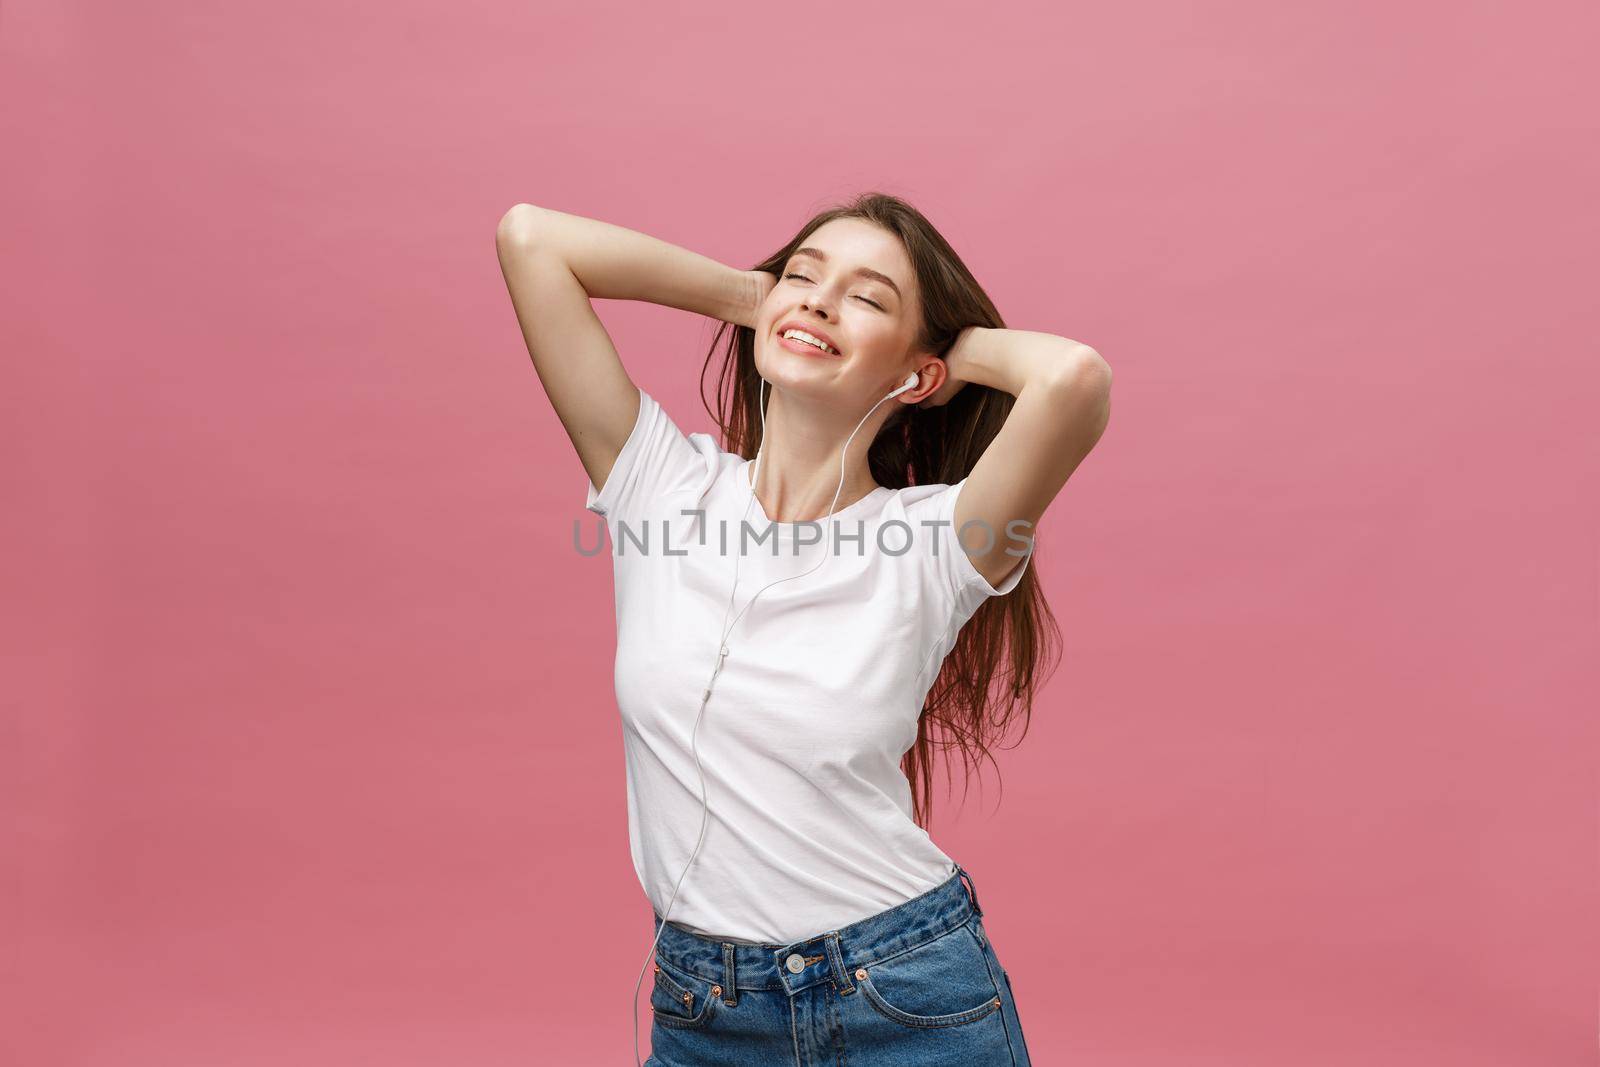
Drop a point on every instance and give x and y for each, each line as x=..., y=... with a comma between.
x=863, y=299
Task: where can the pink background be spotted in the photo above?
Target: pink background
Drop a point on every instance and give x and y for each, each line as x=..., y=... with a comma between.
x=310, y=753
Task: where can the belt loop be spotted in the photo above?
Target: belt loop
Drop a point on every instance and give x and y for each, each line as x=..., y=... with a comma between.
x=841, y=977
x=972, y=890
x=729, y=983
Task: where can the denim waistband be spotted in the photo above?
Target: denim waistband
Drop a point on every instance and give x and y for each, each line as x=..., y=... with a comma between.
x=830, y=956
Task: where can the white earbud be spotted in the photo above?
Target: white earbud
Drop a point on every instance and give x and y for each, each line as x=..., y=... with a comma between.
x=911, y=383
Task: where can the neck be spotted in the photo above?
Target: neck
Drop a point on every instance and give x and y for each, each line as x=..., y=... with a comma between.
x=799, y=464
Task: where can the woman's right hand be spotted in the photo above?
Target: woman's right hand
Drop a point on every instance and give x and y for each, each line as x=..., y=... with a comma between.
x=760, y=284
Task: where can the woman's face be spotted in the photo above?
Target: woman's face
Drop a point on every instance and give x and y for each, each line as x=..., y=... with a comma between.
x=850, y=285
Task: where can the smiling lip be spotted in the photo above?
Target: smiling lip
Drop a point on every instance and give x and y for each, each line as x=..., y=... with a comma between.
x=814, y=332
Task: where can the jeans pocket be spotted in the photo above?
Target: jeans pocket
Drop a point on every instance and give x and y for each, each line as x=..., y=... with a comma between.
x=943, y=982
x=681, y=1000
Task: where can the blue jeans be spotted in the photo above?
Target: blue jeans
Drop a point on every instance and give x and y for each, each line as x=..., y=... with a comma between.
x=917, y=984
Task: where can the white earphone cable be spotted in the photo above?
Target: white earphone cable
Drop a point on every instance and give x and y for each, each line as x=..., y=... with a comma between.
x=722, y=654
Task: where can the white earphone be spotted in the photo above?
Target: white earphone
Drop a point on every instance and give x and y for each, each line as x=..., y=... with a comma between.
x=722, y=654
x=911, y=383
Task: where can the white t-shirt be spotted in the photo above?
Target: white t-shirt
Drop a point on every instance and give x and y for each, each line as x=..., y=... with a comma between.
x=810, y=825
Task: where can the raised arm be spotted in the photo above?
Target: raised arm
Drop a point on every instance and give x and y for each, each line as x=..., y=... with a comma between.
x=554, y=263
x=1063, y=391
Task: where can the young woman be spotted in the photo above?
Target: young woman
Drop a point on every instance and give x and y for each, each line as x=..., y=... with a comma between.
x=865, y=377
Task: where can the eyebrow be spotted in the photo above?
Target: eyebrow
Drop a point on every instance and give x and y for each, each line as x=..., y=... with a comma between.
x=865, y=272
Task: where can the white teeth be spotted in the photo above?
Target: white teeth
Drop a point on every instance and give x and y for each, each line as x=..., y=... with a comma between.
x=806, y=337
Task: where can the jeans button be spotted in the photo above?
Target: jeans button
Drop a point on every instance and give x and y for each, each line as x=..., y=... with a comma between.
x=796, y=963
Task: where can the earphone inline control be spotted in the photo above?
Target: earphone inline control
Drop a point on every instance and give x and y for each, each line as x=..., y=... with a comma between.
x=910, y=382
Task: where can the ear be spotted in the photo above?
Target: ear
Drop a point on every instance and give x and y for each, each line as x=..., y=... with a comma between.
x=933, y=372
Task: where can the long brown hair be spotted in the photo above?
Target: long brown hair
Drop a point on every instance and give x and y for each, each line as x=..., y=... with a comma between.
x=1013, y=635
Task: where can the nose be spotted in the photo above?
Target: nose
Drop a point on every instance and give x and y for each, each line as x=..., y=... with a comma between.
x=813, y=306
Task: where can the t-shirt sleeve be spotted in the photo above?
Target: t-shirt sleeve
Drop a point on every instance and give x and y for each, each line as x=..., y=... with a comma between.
x=951, y=562
x=656, y=458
